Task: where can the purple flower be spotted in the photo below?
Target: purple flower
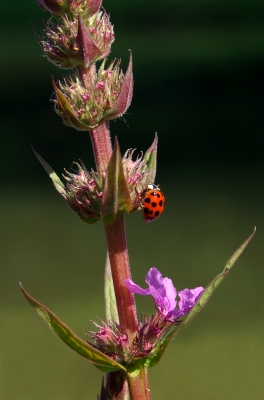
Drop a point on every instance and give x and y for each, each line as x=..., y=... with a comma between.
x=164, y=294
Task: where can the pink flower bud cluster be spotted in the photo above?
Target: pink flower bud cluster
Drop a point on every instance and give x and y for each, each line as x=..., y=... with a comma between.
x=85, y=107
x=83, y=189
x=74, y=42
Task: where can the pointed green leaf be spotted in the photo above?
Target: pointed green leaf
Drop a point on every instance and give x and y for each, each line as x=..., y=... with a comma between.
x=209, y=290
x=109, y=292
x=116, y=197
x=59, y=185
x=70, y=338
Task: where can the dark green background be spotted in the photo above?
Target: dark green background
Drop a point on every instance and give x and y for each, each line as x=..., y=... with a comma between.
x=199, y=81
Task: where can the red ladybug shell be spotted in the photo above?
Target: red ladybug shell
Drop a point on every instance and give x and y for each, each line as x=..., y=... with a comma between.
x=153, y=204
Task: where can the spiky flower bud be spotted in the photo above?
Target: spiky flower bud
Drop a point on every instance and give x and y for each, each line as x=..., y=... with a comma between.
x=86, y=192
x=108, y=96
x=75, y=41
x=147, y=341
x=82, y=192
x=138, y=176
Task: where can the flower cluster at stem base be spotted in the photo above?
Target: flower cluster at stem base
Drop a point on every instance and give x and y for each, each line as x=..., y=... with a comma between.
x=151, y=331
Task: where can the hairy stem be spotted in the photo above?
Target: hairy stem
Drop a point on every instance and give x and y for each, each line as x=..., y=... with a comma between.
x=100, y=137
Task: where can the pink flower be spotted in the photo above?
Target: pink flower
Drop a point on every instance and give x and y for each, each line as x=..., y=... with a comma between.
x=164, y=294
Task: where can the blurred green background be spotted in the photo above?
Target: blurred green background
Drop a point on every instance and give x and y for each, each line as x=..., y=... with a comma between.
x=199, y=81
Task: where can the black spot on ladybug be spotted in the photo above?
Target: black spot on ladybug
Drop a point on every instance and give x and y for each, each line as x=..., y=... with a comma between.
x=153, y=203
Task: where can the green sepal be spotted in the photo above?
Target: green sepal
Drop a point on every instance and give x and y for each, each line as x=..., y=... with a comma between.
x=151, y=159
x=63, y=332
x=202, y=300
x=116, y=197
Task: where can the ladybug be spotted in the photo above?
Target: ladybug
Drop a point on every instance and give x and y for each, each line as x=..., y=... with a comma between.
x=153, y=204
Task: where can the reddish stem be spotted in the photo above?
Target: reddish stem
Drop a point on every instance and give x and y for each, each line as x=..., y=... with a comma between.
x=102, y=147
x=118, y=256
x=138, y=385
x=87, y=75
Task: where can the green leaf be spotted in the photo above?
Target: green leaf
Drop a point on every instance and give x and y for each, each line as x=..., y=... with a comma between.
x=116, y=197
x=209, y=290
x=59, y=185
x=109, y=292
x=63, y=332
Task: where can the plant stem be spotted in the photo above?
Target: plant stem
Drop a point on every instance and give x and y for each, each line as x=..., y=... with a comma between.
x=100, y=137
x=139, y=385
x=118, y=256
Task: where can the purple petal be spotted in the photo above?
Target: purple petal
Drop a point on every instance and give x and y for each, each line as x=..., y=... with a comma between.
x=164, y=294
x=162, y=290
x=188, y=298
x=133, y=288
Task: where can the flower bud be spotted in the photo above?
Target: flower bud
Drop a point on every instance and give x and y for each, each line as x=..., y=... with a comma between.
x=147, y=340
x=110, y=340
x=89, y=194
x=82, y=192
x=108, y=96
x=140, y=173
x=76, y=42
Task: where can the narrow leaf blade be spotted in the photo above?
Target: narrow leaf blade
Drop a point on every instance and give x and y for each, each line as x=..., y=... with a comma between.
x=62, y=331
x=58, y=184
x=202, y=300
